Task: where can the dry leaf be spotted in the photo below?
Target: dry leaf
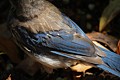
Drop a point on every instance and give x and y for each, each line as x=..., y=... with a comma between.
x=106, y=40
x=109, y=13
x=81, y=67
x=9, y=77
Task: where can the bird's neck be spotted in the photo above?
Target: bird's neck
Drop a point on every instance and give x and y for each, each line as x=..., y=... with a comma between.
x=28, y=8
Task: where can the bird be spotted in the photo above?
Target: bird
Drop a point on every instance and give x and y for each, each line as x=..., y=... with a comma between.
x=51, y=38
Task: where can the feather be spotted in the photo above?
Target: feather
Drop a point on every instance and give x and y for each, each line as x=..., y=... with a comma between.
x=55, y=37
x=111, y=61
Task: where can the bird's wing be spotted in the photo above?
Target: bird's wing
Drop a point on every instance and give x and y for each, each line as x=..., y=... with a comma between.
x=74, y=26
x=58, y=34
x=49, y=33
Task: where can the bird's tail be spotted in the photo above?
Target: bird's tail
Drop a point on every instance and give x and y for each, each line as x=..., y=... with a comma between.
x=112, y=62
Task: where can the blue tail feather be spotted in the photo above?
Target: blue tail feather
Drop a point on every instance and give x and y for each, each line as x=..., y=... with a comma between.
x=112, y=62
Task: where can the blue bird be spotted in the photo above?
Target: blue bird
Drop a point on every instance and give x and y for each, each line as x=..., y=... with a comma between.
x=54, y=40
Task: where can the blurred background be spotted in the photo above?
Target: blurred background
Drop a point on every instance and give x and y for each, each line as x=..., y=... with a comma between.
x=86, y=13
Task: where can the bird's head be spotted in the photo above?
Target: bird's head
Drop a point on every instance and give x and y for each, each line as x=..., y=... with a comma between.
x=28, y=8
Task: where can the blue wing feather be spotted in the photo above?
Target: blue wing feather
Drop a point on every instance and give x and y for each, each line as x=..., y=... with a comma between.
x=112, y=62
x=66, y=42
x=60, y=42
x=73, y=25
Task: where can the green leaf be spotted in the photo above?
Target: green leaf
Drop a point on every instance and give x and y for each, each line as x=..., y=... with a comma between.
x=109, y=13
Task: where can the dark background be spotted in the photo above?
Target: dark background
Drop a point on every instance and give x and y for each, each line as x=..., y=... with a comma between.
x=85, y=13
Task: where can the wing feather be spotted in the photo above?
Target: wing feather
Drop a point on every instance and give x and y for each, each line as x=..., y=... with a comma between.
x=63, y=35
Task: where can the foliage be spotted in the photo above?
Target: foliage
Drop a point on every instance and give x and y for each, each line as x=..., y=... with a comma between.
x=112, y=10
